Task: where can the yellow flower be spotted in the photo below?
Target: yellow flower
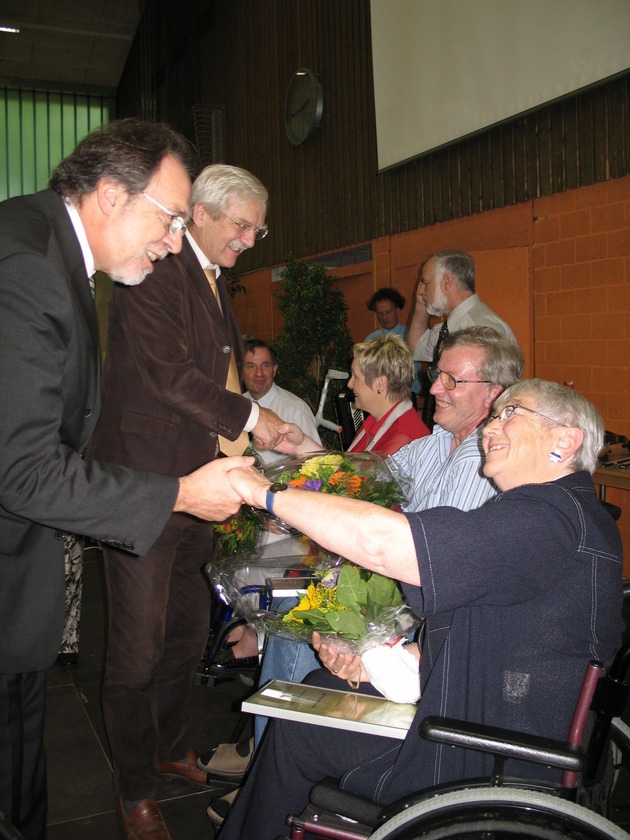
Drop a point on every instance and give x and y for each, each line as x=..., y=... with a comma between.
x=310, y=468
x=310, y=601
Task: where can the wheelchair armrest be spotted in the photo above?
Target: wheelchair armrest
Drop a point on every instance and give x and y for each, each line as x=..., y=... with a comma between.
x=328, y=796
x=503, y=742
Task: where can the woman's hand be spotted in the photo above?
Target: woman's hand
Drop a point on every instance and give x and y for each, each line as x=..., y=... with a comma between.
x=250, y=484
x=293, y=441
x=346, y=666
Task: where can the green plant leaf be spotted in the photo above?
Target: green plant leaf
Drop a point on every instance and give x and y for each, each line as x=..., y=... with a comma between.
x=383, y=591
x=315, y=619
x=351, y=588
x=315, y=334
x=349, y=624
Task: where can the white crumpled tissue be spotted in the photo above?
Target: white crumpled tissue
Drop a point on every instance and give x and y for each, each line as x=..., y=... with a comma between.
x=393, y=671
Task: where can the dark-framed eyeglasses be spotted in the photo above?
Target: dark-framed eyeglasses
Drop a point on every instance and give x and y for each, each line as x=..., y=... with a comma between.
x=259, y=232
x=177, y=223
x=508, y=411
x=448, y=380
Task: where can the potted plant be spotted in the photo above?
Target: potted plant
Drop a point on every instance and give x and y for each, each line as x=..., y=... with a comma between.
x=315, y=334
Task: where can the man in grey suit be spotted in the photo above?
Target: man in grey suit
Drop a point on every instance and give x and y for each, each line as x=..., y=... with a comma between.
x=108, y=210
x=168, y=407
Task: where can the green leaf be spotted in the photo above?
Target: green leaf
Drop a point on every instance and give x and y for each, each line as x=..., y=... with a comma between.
x=349, y=624
x=314, y=618
x=383, y=591
x=351, y=588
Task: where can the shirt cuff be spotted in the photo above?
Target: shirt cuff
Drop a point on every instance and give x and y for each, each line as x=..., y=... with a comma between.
x=253, y=417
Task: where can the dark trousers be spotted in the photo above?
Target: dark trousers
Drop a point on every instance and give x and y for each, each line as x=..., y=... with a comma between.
x=159, y=615
x=23, y=798
x=291, y=758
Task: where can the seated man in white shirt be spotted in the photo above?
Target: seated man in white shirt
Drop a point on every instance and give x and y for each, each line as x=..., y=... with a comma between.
x=260, y=367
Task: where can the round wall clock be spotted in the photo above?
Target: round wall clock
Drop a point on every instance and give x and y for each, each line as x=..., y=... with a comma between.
x=303, y=106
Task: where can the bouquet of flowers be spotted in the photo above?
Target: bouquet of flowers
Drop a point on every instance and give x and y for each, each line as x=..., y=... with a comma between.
x=360, y=612
x=363, y=612
x=360, y=607
x=363, y=475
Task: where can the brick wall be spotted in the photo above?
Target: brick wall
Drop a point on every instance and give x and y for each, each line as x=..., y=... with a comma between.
x=581, y=258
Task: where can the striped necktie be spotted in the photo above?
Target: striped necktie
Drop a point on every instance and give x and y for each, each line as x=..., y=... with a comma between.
x=238, y=446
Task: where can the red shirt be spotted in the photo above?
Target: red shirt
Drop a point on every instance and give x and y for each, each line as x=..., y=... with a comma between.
x=403, y=430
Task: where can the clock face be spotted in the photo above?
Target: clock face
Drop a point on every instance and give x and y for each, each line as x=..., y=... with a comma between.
x=303, y=107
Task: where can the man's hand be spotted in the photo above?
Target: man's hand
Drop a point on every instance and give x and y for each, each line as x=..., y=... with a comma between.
x=207, y=493
x=265, y=432
x=419, y=322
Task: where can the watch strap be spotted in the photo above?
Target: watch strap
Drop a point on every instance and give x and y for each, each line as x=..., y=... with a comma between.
x=277, y=487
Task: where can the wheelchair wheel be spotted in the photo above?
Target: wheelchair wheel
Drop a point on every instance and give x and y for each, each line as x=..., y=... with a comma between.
x=497, y=813
x=620, y=742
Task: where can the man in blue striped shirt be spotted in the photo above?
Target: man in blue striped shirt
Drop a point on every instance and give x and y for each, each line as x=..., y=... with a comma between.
x=475, y=366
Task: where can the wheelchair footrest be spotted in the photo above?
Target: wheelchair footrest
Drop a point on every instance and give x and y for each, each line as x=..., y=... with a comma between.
x=328, y=796
x=326, y=824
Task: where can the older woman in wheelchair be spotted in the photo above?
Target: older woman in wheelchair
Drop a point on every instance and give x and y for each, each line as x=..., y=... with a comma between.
x=518, y=596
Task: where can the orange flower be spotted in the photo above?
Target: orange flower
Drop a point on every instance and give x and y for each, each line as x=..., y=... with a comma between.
x=298, y=482
x=338, y=477
x=352, y=483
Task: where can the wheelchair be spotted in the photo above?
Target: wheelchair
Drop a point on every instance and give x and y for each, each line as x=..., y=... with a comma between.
x=224, y=621
x=502, y=807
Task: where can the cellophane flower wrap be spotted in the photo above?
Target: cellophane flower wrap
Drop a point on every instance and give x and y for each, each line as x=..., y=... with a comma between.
x=359, y=608
x=363, y=475
x=356, y=608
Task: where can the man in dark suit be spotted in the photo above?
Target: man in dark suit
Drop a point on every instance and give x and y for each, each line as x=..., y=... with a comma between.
x=168, y=406
x=107, y=210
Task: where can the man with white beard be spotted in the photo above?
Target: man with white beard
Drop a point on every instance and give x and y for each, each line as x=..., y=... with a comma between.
x=447, y=288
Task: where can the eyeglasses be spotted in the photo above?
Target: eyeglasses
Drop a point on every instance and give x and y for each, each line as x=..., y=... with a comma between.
x=508, y=411
x=448, y=380
x=177, y=224
x=259, y=233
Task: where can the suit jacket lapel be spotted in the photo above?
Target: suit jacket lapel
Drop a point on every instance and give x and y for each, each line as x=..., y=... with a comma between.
x=65, y=251
x=195, y=276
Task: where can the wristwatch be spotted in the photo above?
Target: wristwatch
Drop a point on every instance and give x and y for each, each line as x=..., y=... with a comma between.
x=277, y=487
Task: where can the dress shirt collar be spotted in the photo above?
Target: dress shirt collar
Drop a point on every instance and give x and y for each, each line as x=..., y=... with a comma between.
x=269, y=397
x=204, y=262
x=460, y=310
x=77, y=224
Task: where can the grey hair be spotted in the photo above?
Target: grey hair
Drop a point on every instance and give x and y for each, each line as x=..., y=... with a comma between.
x=503, y=363
x=458, y=263
x=387, y=355
x=565, y=406
x=219, y=185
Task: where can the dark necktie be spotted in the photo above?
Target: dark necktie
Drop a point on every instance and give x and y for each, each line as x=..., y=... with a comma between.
x=429, y=401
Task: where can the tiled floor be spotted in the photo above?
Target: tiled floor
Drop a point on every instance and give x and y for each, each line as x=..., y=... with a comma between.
x=79, y=766
x=81, y=805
